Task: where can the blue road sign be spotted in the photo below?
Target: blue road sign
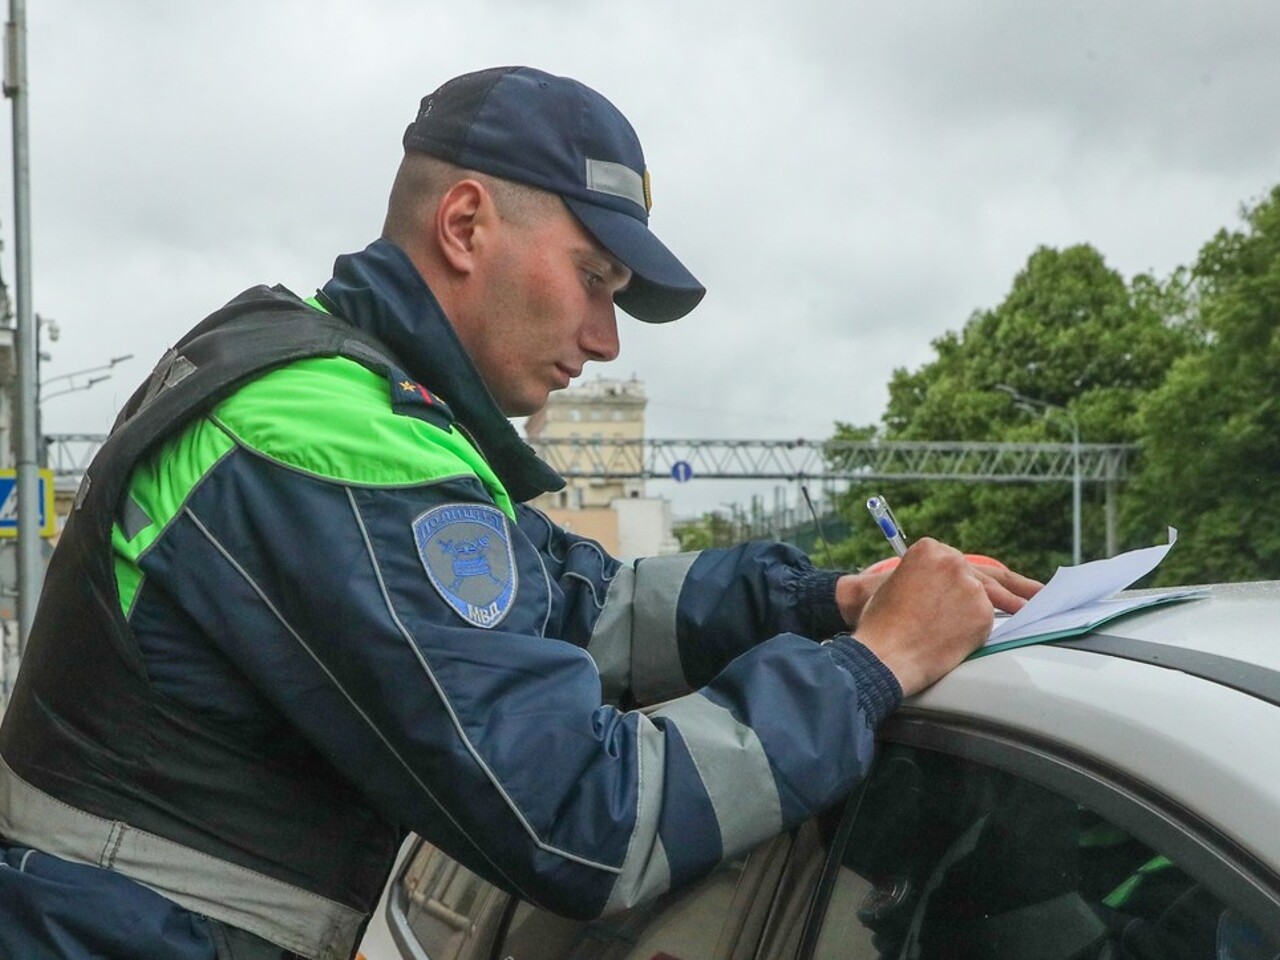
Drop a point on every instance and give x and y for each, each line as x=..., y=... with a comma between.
x=9, y=504
x=681, y=472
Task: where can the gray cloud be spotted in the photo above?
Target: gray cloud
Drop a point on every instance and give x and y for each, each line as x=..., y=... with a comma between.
x=850, y=180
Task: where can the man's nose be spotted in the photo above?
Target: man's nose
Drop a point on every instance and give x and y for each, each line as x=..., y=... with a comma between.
x=600, y=334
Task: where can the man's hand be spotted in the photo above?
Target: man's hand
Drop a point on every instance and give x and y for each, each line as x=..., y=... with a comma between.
x=932, y=611
x=1008, y=591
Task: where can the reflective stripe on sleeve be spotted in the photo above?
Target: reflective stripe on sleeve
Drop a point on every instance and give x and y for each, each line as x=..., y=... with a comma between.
x=735, y=771
x=610, y=643
x=656, y=673
x=645, y=871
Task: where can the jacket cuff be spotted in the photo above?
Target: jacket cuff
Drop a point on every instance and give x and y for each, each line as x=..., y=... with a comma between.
x=816, y=594
x=879, y=692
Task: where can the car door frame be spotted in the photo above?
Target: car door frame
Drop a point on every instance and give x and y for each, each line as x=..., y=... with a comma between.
x=1229, y=871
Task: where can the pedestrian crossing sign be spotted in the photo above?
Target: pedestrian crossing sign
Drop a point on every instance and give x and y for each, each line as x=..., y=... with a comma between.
x=9, y=504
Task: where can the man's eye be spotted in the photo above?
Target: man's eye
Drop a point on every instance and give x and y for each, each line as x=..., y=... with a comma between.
x=592, y=279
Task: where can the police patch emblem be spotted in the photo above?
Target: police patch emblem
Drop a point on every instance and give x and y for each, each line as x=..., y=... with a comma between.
x=466, y=551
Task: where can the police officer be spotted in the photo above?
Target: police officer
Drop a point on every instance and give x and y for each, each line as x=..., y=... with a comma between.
x=300, y=607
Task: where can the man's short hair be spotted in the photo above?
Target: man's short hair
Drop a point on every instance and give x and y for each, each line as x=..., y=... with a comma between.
x=423, y=179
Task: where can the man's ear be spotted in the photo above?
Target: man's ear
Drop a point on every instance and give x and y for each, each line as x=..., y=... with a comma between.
x=462, y=216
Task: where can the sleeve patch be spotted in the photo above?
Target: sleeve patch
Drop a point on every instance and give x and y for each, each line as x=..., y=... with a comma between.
x=467, y=554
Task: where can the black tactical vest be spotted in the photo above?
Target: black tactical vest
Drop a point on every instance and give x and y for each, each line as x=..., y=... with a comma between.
x=84, y=724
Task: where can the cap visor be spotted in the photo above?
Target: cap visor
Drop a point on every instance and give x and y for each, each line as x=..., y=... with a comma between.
x=661, y=289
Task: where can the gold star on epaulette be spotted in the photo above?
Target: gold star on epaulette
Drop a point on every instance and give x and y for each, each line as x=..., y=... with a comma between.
x=408, y=386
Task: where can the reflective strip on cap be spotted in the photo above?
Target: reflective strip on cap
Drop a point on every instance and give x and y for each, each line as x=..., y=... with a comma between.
x=617, y=180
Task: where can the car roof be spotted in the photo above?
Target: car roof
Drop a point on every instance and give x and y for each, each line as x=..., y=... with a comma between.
x=1239, y=621
x=1183, y=699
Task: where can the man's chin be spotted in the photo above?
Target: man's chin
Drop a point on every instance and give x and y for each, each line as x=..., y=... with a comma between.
x=525, y=406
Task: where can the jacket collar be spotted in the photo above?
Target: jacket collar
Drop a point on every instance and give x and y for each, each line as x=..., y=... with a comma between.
x=380, y=291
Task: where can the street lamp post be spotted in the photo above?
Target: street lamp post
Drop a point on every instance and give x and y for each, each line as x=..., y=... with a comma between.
x=1031, y=404
x=29, y=560
x=1075, y=486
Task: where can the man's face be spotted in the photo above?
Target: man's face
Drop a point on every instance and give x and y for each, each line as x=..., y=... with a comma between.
x=543, y=308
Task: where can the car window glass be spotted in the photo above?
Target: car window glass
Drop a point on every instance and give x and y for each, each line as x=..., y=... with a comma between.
x=712, y=919
x=776, y=930
x=951, y=860
x=451, y=913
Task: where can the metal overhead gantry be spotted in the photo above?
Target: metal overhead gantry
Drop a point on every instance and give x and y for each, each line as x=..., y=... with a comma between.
x=849, y=460
x=837, y=459
x=794, y=460
x=69, y=456
x=70, y=453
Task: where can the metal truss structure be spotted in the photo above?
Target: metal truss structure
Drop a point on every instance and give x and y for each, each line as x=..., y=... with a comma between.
x=69, y=455
x=837, y=460
x=830, y=461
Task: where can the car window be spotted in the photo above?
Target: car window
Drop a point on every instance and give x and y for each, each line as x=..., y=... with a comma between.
x=440, y=910
x=719, y=917
x=948, y=859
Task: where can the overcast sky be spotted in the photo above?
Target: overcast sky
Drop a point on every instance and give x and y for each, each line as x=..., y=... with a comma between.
x=848, y=179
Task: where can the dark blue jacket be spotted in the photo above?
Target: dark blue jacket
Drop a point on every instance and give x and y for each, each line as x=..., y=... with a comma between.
x=330, y=575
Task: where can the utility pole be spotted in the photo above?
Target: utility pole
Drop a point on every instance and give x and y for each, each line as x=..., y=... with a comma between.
x=1032, y=404
x=30, y=562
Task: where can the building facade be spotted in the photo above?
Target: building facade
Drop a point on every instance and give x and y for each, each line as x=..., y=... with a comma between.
x=616, y=512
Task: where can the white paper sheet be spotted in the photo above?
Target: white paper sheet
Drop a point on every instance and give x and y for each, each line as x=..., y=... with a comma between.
x=1078, y=598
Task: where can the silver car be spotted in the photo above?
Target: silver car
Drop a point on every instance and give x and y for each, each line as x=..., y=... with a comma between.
x=1112, y=796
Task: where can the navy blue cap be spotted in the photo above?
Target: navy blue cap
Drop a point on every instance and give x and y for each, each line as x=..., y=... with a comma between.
x=559, y=135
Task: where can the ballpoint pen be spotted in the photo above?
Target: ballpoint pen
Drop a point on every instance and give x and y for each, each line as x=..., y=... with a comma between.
x=888, y=524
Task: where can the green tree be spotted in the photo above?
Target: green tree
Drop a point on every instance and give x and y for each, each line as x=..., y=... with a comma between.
x=1211, y=431
x=709, y=530
x=1071, y=333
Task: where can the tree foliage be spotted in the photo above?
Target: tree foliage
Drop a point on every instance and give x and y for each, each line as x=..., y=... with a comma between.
x=709, y=530
x=1211, y=430
x=1073, y=335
